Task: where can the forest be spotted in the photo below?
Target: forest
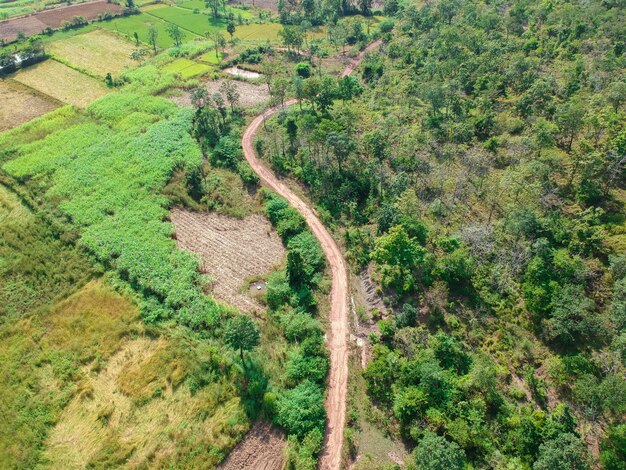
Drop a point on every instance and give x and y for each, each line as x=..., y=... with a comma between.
x=475, y=167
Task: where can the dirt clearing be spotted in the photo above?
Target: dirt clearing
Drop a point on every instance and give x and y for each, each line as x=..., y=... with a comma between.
x=263, y=448
x=249, y=93
x=231, y=250
x=20, y=104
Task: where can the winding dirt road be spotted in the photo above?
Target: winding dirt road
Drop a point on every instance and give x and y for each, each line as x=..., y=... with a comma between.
x=338, y=335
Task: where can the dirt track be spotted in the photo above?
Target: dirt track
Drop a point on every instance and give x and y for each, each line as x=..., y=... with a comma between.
x=338, y=335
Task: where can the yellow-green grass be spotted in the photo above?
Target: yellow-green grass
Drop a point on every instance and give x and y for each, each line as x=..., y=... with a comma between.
x=62, y=83
x=186, y=68
x=210, y=58
x=259, y=33
x=99, y=52
x=20, y=104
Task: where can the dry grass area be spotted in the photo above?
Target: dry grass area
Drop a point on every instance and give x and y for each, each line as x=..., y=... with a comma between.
x=231, y=251
x=113, y=422
x=20, y=104
x=99, y=52
x=62, y=83
x=249, y=93
x=263, y=448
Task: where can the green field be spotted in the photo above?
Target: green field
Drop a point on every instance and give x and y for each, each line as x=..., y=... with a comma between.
x=192, y=23
x=139, y=24
x=187, y=68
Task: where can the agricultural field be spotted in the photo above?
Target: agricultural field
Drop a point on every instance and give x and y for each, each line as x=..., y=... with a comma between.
x=61, y=83
x=250, y=94
x=54, y=18
x=99, y=52
x=20, y=104
x=193, y=23
x=128, y=25
x=231, y=250
x=187, y=68
x=10, y=8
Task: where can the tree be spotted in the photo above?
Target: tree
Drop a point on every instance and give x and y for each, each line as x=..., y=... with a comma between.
x=136, y=36
x=229, y=90
x=130, y=4
x=138, y=55
x=153, y=35
x=215, y=6
x=436, y=453
x=218, y=42
x=566, y=451
x=349, y=87
x=301, y=409
x=231, y=28
x=242, y=333
x=176, y=34
x=292, y=37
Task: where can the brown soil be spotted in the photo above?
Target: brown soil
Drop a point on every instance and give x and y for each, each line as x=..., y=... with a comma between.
x=55, y=18
x=231, y=250
x=20, y=104
x=249, y=93
x=338, y=315
x=263, y=448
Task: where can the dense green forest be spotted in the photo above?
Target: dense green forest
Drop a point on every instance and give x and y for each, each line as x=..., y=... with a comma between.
x=477, y=165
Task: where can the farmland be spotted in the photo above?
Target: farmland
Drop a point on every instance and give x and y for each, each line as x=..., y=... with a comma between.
x=99, y=52
x=186, y=68
x=193, y=23
x=231, y=250
x=61, y=83
x=24, y=7
x=139, y=24
x=20, y=104
x=55, y=18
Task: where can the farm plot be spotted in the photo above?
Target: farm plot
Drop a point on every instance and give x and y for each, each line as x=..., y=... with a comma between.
x=139, y=24
x=186, y=68
x=231, y=250
x=20, y=104
x=99, y=52
x=262, y=449
x=54, y=18
x=62, y=83
x=195, y=23
x=249, y=93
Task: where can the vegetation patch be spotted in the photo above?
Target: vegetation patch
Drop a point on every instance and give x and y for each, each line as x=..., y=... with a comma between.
x=187, y=68
x=99, y=52
x=141, y=24
x=62, y=83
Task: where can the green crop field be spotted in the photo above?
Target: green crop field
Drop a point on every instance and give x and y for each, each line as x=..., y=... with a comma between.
x=99, y=52
x=194, y=23
x=187, y=68
x=139, y=24
x=62, y=83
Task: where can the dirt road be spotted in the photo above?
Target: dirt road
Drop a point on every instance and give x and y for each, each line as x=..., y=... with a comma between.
x=338, y=334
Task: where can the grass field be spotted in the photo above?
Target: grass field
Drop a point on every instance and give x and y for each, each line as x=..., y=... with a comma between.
x=139, y=24
x=194, y=23
x=99, y=52
x=259, y=33
x=210, y=58
x=187, y=68
x=20, y=104
x=62, y=83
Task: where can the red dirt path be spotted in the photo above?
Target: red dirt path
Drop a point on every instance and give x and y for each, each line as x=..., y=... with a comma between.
x=338, y=335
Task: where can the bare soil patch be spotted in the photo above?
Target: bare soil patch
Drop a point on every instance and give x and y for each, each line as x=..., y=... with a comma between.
x=20, y=104
x=249, y=93
x=262, y=449
x=231, y=251
x=55, y=18
x=267, y=4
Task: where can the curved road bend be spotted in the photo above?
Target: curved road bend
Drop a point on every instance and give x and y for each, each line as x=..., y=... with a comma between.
x=338, y=337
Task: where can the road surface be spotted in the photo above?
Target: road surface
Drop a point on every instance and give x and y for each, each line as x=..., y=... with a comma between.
x=338, y=316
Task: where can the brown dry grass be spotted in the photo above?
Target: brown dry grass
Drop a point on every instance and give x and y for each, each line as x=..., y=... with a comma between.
x=100, y=52
x=20, y=104
x=231, y=250
x=62, y=83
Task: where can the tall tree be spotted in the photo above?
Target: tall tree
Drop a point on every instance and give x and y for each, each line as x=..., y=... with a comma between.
x=242, y=334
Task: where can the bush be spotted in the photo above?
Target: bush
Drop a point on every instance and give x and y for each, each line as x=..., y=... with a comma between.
x=301, y=410
x=436, y=453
